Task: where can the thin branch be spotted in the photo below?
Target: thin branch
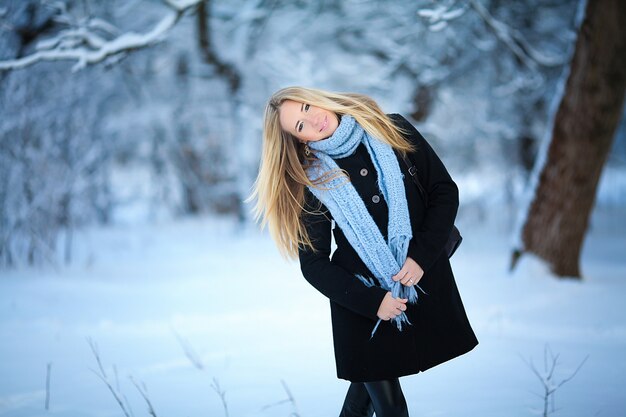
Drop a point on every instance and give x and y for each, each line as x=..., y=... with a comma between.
x=144, y=393
x=290, y=399
x=191, y=354
x=48, y=372
x=515, y=41
x=265, y=407
x=115, y=394
x=574, y=373
x=221, y=393
x=85, y=47
x=119, y=390
x=94, y=349
x=103, y=377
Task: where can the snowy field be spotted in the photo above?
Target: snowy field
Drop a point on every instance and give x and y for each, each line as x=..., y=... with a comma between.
x=158, y=298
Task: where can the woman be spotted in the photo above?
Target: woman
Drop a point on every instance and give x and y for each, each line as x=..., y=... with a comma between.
x=335, y=158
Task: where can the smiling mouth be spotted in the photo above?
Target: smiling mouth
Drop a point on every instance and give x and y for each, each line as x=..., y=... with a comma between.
x=325, y=123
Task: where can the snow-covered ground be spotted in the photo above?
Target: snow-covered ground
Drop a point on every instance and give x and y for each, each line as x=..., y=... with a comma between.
x=147, y=294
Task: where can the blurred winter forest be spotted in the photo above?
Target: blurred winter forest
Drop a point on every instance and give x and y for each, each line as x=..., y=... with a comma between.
x=167, y=123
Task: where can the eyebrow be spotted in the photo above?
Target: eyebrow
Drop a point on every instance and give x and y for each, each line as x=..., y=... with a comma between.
x=298, y=121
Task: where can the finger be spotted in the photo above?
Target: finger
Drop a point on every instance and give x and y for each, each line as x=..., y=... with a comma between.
x=401, y=274
x=407, y=280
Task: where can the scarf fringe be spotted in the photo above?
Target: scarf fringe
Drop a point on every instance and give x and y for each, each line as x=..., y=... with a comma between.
x=404, y=292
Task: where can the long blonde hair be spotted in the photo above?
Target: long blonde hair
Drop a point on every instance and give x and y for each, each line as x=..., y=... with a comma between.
x=279, y=187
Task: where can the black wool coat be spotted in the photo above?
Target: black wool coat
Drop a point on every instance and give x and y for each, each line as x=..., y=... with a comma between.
x=440, y=329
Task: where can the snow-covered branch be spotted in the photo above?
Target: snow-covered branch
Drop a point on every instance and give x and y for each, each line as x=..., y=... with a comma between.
x=85, y=46
x=515, y=41
x=439, y=17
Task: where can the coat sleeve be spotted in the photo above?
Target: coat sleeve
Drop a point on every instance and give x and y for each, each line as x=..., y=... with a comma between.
x=332, y=280
x=443, y=199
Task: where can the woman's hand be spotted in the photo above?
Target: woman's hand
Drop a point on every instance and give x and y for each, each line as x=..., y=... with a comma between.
x=410, y=274
x=391, y=307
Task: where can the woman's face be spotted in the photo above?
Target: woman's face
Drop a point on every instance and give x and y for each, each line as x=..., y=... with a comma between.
x=305, y=122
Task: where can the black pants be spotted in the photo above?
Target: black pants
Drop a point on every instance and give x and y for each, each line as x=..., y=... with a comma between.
x=383, y=397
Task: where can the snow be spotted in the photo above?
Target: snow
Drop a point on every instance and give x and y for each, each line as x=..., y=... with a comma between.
x=147, y=293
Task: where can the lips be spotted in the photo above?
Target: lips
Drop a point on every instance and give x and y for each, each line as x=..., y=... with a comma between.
x=324, y=124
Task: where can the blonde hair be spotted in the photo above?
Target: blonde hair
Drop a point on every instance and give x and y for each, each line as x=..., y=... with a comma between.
x=279, y=186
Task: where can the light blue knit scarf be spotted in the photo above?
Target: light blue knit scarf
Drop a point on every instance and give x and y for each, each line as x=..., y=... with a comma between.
x=383, y=259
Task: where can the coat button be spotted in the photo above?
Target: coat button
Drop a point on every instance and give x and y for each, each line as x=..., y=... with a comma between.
x=375, y=199
x=363, y=172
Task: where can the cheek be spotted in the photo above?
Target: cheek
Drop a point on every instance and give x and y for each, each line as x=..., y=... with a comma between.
x=335, y=124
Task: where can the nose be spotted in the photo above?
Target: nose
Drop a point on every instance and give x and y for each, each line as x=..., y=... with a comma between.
x=315, y=119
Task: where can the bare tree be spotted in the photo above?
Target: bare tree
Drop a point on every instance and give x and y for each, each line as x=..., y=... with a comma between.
x=567, y=172
x=202, y=169
x=232, y=75
x=548, y=380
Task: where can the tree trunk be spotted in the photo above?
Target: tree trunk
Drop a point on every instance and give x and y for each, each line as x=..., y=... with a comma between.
x=582, y=134
x=229, y=73
x=223, y=69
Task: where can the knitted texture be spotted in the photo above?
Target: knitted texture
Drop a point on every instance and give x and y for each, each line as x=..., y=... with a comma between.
x=383, y=259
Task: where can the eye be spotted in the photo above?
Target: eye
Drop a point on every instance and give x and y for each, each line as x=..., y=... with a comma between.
x=300, y=126
x=306, y=107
